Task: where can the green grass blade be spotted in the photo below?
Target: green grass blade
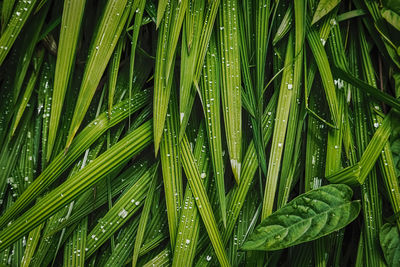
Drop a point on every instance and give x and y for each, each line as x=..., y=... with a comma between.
x=202, y=201
x=162, y=5
x=31, y=244
x=113, y=73
x=162, y=88
x=69, y=34
x=87, y=177
x=189, y=224
x=74, y=251
x=102, y=47
x=23, y=102
x=143, y=219
x=210, y=92
x=22, y=11
x=231, y=82
x=171, y=168
x=83, y=141
x=317, y=47
x=282, y=114
x=120, y=213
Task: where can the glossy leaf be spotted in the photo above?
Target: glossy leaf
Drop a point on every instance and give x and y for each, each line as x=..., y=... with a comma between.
x=307, y=217
x=389, y=237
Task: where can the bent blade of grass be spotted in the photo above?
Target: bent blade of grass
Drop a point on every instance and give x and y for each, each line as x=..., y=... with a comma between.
x=82, y=142
x=367, y=88
x=278, y=141
x=130, y=145
x=69, y=34
x=202, y=201
x=231, y=82
x=102, y=47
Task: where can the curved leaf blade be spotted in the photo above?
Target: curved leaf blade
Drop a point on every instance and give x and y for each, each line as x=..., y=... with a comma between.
x=310, y=216
x=324, y=7
x=104, y=42
x=389, y=238
x=69, y=33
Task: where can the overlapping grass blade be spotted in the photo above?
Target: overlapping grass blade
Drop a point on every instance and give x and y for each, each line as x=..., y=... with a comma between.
x=282, y=114
x=211, y=100
x=171, y=167
x=120, y=213
x=101, y=49
x=202, y=201
x=231, y=82
x=130, y=145
x=144, y=218
x=21, y=13
x=67, y=45
x=189, y=223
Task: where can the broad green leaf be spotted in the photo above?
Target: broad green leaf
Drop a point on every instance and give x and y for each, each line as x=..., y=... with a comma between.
x=106, y=38
x=392, y=17
x=307, y=217
x=67, y=45
x=324, y=7
x=389, y=237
